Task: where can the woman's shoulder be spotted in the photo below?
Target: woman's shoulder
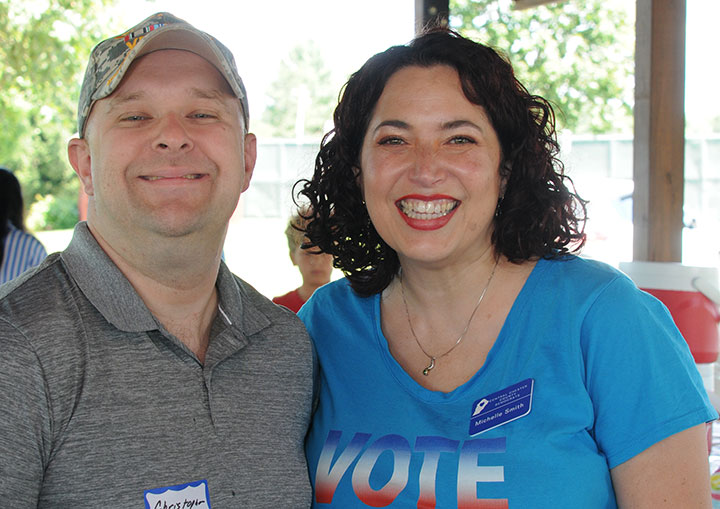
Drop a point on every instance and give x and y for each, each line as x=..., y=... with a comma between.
x=579, y=269
x=340, y=288
x=17, y=237
x=581, y=279
x=334, y=298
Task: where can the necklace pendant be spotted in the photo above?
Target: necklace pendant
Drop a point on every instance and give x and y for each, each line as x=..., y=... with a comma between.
x=430, y=366
x=426, y=371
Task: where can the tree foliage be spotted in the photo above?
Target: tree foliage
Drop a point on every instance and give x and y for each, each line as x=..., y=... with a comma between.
x=578, y=54
x=303, y=92
x=44, y=46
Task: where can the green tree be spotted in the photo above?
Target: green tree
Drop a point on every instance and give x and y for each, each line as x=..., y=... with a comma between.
x=578, y=54
x=44, y=46
x=303, y=92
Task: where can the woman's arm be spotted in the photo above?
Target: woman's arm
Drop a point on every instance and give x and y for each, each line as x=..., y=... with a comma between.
x=672, y=473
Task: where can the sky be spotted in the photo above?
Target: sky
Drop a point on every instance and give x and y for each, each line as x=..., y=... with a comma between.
x=261, y=33
x=350, y=31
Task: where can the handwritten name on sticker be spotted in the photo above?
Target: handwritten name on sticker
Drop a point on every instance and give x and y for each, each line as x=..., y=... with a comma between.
x=193, y=495
x=501, y=407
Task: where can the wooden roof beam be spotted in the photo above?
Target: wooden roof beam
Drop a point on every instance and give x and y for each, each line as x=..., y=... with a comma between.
x=659, y=144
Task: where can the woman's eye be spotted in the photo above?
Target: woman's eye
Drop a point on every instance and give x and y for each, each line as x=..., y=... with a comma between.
x=391, y=140
x=460, y=140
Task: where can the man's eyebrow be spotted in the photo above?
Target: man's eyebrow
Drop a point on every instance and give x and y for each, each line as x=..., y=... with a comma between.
x=120, y=99
x=200, y=93
x=209, y=93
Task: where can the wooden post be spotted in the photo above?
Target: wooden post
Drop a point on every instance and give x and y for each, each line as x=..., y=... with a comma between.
x=659, y=145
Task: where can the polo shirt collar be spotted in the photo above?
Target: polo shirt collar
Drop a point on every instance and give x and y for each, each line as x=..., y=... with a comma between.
x=237, y=306
x=104, y=285
x=107, y=288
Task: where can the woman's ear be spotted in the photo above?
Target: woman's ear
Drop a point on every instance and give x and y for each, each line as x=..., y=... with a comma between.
x=505, y=171
x=79, y=157
x=359, y=181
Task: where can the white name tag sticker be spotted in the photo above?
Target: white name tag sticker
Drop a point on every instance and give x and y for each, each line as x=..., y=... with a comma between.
x=192, y=495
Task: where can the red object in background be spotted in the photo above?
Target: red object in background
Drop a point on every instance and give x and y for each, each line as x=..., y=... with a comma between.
x=691, y=295
x=697, y=318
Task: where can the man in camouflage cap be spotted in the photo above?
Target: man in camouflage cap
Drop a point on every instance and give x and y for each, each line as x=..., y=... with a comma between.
x=136, y=368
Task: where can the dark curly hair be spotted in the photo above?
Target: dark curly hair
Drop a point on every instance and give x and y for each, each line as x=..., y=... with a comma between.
x=540, y=214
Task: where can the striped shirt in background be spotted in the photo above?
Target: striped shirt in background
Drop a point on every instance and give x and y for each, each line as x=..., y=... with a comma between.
x=22, y=251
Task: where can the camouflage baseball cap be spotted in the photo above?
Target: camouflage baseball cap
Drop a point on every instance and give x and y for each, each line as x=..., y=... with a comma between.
x=110, y=59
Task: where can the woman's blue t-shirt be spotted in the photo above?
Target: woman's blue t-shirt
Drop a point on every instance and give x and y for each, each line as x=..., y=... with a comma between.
x=586, y=372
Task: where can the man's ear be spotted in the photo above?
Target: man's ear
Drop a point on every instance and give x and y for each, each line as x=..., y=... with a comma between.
x=250, y=157
x=79, y=157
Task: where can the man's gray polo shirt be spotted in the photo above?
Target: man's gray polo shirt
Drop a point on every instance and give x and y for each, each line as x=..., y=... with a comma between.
x=100, y=403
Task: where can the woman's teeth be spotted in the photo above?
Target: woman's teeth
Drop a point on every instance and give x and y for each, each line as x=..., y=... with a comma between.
x=423, y=209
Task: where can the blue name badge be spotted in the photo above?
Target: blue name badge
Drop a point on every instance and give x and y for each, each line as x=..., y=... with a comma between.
x=501, y=407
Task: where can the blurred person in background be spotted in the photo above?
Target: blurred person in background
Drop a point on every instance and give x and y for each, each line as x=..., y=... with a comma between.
x=315, y=267
x=19, y=250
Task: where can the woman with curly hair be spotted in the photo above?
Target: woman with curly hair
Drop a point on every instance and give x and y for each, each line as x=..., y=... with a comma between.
x=469, y=358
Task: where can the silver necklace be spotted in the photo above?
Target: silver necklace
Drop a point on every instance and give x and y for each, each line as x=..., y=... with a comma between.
x=433, y=358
